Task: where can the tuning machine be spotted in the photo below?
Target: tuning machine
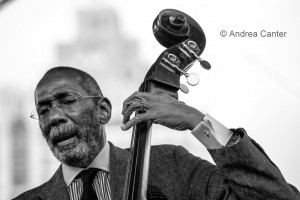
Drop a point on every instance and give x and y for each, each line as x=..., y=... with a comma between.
x=190, y=48
x=172, y=60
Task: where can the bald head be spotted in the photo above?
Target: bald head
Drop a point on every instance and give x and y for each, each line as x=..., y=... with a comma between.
x=86, y=81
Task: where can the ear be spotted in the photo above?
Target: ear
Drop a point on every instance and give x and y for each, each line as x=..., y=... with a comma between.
x=105, y=110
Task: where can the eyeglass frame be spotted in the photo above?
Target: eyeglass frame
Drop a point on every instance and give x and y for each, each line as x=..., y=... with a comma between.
x=51, y=105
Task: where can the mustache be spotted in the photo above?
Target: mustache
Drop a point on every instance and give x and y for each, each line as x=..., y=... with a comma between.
x=63, y=131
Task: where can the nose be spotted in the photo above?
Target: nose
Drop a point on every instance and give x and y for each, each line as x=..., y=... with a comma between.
x=57, y=116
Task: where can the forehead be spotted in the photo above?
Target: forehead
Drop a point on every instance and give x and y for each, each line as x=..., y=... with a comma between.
x=50, y=87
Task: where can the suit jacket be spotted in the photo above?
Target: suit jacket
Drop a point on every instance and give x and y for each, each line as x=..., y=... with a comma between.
x=243, y=171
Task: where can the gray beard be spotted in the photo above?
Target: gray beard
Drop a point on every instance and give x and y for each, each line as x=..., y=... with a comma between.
x=84, y=152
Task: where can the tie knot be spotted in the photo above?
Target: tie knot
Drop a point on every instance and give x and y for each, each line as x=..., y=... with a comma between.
x=88, y=175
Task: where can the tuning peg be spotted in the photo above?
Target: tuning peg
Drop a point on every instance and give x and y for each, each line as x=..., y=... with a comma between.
x=184, y=89
x=204, y=64
x=192, y=78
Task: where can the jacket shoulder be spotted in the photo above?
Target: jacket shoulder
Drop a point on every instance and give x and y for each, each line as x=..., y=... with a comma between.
x=52, y=188
x=31, y=194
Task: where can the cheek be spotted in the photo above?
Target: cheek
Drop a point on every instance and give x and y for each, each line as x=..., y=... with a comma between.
x=45, y=131
x=90, y=118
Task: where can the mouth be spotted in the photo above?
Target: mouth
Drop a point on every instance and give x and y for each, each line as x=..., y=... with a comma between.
x=65, y=140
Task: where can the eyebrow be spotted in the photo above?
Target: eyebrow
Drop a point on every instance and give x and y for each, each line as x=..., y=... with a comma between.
x=56, y=95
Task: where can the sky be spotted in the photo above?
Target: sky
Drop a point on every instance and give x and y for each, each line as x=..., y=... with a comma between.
x=254, y=81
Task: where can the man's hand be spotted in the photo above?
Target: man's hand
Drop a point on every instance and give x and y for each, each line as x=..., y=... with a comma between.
x=160, y=109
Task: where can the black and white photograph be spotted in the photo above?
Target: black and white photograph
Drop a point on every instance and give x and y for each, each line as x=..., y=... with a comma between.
x=148, y=100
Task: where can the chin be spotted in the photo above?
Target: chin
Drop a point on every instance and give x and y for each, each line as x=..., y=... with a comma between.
x=80, y=155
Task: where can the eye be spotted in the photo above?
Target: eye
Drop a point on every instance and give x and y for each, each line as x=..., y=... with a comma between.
x=68, y=101
x=43, y=111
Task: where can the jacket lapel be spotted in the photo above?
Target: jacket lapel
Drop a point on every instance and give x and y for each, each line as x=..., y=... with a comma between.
x=119, y=160
x=55, y=188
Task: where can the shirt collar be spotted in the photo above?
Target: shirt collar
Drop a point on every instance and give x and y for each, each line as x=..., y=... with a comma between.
x=101, y=162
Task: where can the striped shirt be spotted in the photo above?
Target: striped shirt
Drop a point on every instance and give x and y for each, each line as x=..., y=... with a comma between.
x=100, y=185
x=100, y=182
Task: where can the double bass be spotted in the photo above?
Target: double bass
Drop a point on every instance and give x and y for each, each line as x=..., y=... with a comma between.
x=185, y=41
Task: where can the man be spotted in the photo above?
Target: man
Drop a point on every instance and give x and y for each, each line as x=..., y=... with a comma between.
x=72, y=113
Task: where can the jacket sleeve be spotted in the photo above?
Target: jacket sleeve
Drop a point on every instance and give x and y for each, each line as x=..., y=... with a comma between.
x=248, y=173
x=242, y=171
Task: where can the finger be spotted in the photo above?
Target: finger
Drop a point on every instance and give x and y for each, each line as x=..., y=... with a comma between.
x=136, y=95
x=125, y=118
x=128, y=101
x=134, y=106
x=137, y=119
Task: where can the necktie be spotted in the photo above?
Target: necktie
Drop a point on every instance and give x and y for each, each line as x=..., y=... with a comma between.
x=87, y=177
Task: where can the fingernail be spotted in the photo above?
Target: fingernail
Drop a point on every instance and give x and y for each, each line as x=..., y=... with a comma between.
x=123, y=127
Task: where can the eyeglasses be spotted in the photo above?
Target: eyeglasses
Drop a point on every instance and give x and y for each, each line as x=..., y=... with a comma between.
x=68, y=103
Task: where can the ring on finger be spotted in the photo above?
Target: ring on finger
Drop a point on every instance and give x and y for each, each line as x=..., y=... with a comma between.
x=142, y=104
